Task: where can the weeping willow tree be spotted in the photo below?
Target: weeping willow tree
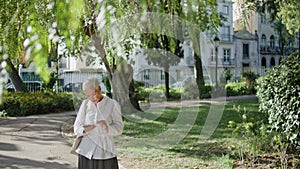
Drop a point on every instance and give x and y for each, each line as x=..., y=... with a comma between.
x=30, y=32
x=110, y=29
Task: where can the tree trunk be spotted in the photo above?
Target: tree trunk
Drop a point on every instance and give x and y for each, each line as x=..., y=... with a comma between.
x=121, y=80
x=15, y=78
x=134, y=96
x=167, y=79
x=199, y=73
x=121, y=83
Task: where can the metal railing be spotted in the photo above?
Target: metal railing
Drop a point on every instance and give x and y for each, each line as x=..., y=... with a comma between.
x=223, y=37
x=226, y=38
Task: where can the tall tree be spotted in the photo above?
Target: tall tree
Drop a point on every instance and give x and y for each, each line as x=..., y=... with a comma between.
x=284, y=37
x=24, y=37
x=187, y=20
x=162, y=55
x=204, y=15
x=167, y=50
x=10, y=40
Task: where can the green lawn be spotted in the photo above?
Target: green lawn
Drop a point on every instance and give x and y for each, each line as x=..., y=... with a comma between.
x=170, y=138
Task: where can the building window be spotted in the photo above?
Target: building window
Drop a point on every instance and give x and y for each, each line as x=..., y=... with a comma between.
x=146, y=74
x=272, y=62
x=226, y=33
x=263, y=62
x=272, y=41
x=212, y=54
x=226, y=56
x=263, y=40
x=225, y=9
x=162, y=75
x=29, y=76
x=245, y=50
x=62, y=65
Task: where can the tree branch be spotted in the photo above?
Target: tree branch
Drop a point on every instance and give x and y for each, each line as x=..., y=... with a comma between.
x=99, y=46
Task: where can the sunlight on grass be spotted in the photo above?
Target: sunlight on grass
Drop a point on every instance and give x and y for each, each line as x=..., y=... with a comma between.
x=189, y=152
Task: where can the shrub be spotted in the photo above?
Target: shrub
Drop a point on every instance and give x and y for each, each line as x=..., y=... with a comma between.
x=253, y=130
x=153, y=94
x=206, y=92
x=23, y=104
x=190, y=91
x=250, y=79
x=11, y=106
x=175, y=93
x=143, y=93
x=278, y=94
x=237, y=89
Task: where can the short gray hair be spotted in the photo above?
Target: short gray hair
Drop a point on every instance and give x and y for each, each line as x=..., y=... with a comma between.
x=90, y=83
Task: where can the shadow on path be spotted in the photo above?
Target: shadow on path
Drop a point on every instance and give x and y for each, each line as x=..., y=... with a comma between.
x=7, y=162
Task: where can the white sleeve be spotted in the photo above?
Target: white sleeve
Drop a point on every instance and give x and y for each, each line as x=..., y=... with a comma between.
x=80, y=119
x=117, y=125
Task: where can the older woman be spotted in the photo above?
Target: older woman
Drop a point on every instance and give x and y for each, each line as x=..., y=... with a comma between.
x=98, y=120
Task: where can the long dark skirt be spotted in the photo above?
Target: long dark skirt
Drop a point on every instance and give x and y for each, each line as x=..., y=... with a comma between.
x=85, y=163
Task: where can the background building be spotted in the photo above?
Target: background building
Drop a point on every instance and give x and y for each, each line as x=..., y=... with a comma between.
x=272, y=39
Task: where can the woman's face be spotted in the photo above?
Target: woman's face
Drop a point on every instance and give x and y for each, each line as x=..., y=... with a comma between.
x=93, y=95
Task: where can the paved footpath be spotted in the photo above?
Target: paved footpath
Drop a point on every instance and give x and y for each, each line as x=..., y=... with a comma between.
x=36, y=142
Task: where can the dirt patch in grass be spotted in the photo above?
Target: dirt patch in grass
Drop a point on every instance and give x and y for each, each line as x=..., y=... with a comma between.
x=269, y=161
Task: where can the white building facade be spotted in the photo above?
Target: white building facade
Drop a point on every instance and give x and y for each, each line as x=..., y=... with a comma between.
x=271, y=47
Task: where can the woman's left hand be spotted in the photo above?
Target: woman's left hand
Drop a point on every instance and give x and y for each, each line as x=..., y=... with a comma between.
x=103, y=125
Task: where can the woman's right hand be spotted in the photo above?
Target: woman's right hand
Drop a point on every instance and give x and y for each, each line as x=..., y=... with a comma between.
x=88, y=128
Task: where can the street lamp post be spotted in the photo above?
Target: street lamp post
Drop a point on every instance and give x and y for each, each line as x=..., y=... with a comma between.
x=217, y=42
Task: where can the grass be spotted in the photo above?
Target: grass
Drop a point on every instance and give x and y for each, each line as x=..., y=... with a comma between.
x=170, y=138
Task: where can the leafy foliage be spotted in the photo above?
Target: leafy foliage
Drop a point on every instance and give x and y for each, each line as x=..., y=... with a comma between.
x=279, y=93
x=189, y=91
x=39, y=26
x=250, y=125
x=253, y=129
x=237, y=89
x=250, y=79
x=23, y=104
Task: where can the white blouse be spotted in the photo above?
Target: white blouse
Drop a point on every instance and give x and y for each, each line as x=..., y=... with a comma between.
x=96, y=144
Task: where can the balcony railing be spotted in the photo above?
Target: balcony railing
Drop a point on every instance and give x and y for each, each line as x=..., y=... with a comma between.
x=276, y=49
x=269, y=49
x=223, y=37
x=226, y=38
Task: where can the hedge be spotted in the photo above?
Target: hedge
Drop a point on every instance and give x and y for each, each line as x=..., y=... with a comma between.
x=25, y=103
x=279, y=93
